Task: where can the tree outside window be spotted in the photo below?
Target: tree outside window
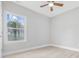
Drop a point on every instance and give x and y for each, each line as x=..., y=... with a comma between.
x=15, y=26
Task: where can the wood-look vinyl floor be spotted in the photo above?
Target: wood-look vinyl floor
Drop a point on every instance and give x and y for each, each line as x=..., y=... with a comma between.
x=46, y=52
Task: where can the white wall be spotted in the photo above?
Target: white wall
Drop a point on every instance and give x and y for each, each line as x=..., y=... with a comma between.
x=65, y=29
x=0, y=29
x=38, y=28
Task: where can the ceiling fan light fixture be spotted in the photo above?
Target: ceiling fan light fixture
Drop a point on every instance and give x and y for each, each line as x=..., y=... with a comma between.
x=51, y=5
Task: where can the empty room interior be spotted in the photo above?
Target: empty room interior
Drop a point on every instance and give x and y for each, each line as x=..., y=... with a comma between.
x=39, y=29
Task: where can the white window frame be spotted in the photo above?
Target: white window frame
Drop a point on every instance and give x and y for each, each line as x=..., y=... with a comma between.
x=6, y=28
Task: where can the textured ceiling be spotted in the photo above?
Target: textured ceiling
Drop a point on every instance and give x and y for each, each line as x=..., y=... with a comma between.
x=35, y=6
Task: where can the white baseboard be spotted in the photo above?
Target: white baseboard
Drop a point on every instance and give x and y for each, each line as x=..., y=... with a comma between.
x=64, y=47
x=55, y=45
x=23, y=50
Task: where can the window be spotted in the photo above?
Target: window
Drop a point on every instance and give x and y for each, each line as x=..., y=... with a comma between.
x=16, y=29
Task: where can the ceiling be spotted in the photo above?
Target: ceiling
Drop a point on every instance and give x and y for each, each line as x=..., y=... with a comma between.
x=35, y=6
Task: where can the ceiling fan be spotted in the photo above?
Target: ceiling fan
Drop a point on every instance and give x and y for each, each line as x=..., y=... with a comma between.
x=51, y=4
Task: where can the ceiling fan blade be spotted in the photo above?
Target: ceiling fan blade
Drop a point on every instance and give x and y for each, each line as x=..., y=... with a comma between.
x=58, y=4
x=43, y=5
x=51, y=8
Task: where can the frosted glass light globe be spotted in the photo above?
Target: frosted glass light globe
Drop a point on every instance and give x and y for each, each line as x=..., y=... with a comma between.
x=50, y=4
